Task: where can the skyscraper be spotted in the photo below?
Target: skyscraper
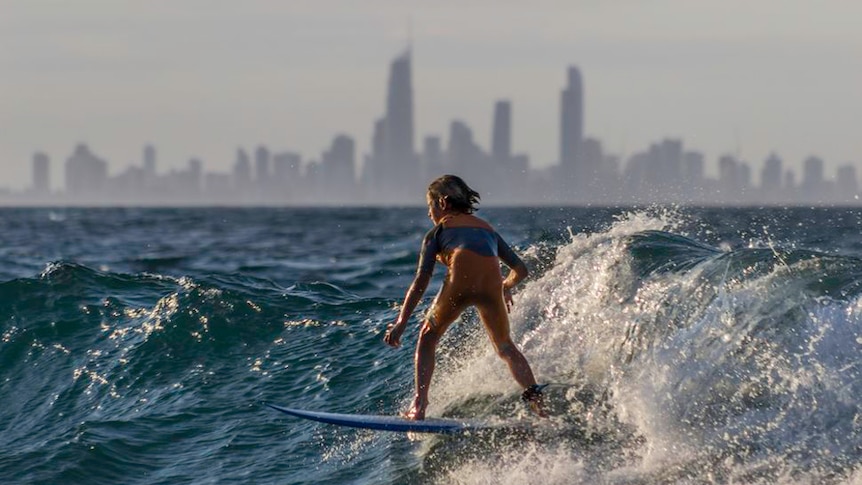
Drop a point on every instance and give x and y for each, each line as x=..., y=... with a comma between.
x=86, y=174
x=770, y=177
x=242, y=171
x=261, y=167
x=41, y=173
x=571, y=119
x=399, y=111
x=501, y=139
x=338, y=166
x=393, y=173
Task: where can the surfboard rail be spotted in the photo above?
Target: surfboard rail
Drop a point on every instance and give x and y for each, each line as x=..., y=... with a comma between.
x=389, y=423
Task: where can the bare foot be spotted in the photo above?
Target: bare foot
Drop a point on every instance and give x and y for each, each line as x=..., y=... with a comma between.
x=416, y=411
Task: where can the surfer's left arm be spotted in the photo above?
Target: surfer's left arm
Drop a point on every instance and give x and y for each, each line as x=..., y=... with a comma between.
x=518, y=270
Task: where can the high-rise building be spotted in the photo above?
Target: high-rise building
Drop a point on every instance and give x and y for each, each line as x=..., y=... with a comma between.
x=812, y=174
x=571, y=119
x=729, y=177
x=770, y=177
x=86, y=174
x=501, y=139
x=391, y=172
x=261, y=165
x=462, y=150
x=338, y=169
x=41, y=173
x=847, y=188
x=242, y=171
x=398, y=133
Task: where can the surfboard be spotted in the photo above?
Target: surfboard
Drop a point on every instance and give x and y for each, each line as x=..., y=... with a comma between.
x=389, y=423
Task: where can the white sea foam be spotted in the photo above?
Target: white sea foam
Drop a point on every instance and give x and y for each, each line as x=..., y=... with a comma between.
x=724, y=373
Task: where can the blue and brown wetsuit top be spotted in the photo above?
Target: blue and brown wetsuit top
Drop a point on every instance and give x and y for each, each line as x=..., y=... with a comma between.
x=440, y=241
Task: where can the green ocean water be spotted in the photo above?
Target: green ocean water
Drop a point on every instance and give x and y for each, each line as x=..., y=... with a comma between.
x=683, y=346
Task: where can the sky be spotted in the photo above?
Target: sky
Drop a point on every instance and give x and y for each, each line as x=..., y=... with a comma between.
x=200, y=78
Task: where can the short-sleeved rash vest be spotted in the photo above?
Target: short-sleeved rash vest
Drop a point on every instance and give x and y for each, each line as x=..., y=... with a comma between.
x=480, y=240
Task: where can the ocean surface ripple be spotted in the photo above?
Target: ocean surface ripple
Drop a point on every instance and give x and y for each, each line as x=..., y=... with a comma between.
x=681, y=346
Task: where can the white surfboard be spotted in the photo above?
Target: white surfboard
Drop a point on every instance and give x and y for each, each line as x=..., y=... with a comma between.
x=391, y=423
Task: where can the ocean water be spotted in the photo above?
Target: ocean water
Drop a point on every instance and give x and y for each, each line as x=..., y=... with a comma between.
x=682, y=346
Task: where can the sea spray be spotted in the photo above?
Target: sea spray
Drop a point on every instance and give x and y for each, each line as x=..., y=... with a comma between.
x=709, y=363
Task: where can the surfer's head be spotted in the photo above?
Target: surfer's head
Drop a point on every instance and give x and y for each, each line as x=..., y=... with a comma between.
x=450, y=193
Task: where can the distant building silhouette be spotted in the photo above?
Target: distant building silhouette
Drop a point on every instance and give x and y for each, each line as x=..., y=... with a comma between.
x=41, y=174
x=813, y=181
x=693, y=175
x=391, y=172
x=770, y=178
x=846, y=186
x=242, y=178
x=261, y=167
x=501, y=138
x=86, y=175
x=286, y=177
x=571, y=120
x=337, y=169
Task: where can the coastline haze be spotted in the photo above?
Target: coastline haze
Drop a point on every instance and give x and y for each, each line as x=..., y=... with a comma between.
x=199, y=80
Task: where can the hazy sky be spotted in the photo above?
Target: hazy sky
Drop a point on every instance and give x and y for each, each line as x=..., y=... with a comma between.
x=201, y=78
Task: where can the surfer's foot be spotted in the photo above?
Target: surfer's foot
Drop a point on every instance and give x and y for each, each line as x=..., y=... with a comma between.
x=416, y=411
x=532, y=396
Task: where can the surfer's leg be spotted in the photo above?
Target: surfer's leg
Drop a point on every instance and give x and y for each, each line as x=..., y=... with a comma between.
x=443, y=312
x=495, y=317
x=496, y=321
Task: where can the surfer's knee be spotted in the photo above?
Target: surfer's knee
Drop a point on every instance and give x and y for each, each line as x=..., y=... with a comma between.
x=507, y=349
x=430, y=331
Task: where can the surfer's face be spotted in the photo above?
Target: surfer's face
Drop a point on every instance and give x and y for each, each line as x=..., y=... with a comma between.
x=435, y=209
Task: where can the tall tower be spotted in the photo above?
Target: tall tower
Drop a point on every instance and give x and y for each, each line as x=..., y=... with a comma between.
x=398, y=129
x=391, y=171
x=501, y=141
x=571, y=119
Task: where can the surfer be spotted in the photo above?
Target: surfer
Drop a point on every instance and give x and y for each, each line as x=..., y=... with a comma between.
x=471, y=250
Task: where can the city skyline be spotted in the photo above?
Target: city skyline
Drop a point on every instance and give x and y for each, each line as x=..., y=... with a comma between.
x=747, y=79
x=394, y=173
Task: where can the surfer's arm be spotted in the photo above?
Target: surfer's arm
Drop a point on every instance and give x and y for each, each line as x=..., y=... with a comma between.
x=510, y=258
x=427, y=258
x=518, y=270
x=414, y=294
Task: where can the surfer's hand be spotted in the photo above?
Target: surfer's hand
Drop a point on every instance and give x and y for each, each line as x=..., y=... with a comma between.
x=393, y=333
x=507, y=297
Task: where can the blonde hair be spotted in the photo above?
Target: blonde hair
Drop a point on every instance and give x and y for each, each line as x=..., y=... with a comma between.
x=455, y=192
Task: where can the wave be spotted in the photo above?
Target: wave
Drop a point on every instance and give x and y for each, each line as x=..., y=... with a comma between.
x=675, y=360
x=671, y=360
x=104, y=365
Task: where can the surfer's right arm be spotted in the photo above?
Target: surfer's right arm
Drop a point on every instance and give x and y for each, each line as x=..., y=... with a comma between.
x=414, y=294
x=427, y=258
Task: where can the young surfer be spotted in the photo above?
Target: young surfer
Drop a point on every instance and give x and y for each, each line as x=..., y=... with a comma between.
x=471, y=250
